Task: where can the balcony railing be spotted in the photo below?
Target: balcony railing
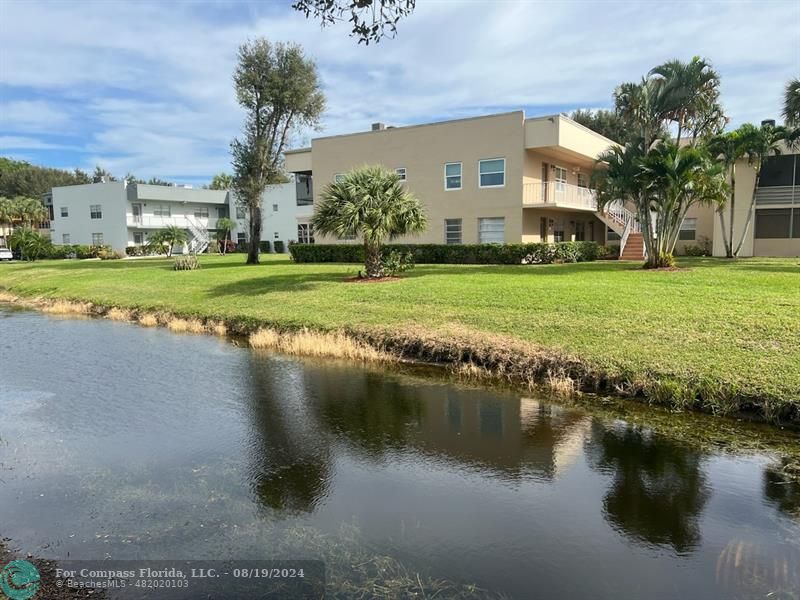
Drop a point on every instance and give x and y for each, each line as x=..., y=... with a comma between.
x=558, y=195
x=154, y=222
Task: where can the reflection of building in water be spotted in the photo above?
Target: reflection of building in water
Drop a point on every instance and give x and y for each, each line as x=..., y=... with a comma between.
x=475, y=427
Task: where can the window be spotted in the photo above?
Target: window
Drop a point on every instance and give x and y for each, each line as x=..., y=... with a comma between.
x=305, y=235
x=274, y=208
x=64, y=211
x=338, y=177
x=65, y=238
x=558, y=230
x=275, y=236
x=452, y=231
x=688, y=229
x=492, y=230
x=97, y=239
x=561, y=179
x=772, y=223
x=612, y=236
x=201, y=212
x=583, y=182
x=95, y=211
x=241, y=238
x=401, y=172
x=161, y=210
x=138, y=237
x=492, y=172
x=240, y=214
x=452, y=176
x=305, y=195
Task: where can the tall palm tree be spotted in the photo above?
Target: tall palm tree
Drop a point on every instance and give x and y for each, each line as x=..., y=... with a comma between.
x=6, y=217
x=370, y=202
x=791, y=103
x=30, y=211
x=690, y=96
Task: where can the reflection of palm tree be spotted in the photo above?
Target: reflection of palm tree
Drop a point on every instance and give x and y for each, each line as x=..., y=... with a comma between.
x=781, y=490
x=290, y=460
x=658, y=490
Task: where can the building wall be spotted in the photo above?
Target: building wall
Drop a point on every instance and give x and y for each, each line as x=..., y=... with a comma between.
x=704, y=233
x=78, y=198
x=594, y=228
x=423, y=151
x=745, y=181
x=280, y=224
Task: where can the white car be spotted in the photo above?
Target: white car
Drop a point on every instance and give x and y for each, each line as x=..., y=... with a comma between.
x=5, y=254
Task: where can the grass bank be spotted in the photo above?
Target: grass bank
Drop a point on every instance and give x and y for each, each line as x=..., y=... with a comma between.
x=720, y=336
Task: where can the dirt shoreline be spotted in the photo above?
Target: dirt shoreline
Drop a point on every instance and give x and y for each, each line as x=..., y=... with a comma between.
x=473, y=355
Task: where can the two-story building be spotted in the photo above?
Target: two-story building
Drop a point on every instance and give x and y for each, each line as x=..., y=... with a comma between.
x=497, y=178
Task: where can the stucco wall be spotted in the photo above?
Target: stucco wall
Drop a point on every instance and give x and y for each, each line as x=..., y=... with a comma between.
x=531, y=225
x=283, y=221
x=111, y=197
x=423, y=151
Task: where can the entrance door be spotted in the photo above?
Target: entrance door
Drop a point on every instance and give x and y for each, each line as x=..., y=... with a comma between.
x=137, y=213
x=543, y=229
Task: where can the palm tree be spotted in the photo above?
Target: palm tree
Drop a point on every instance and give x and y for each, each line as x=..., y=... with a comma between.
x=791, y=103
x=661, y=185
x=224, y=226
x=370, y=202
x=6, y=216
x=30, y=243
x=30, y=211
x=165, y=239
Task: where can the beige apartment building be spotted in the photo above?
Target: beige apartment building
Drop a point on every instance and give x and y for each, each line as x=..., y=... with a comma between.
x=505, y=178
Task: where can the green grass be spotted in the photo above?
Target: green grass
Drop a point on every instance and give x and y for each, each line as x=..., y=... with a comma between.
x=736, y=322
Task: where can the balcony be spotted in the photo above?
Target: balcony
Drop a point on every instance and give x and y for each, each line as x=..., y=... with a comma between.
x=153, y=222
x=555, y=194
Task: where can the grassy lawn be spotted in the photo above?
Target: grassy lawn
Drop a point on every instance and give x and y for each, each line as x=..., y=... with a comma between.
x=738, y=322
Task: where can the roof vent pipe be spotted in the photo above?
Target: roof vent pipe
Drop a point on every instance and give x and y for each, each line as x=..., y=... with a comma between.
x=378, y=126
x=768, y=122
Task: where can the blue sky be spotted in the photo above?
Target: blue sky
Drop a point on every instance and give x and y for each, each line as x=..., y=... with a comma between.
x=145, y=87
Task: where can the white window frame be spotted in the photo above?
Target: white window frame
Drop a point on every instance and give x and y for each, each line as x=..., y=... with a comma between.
x=481, y=219
x=404, y=175
x=95, y=243
x=65, y=239
x=159, y=209
x=460, y=231
x=308, y=236
x=338, y=177
x=201, y=212
x=95, y=209
x=276, y=236
x=64, y=212
x=460, y=177
x=561, y=184
x=688, y=224
x=241, y=213
x=139, y=234
x=483, y=160
x=274, y=208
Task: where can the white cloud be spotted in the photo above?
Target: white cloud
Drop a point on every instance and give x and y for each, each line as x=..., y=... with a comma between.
x=148, y=86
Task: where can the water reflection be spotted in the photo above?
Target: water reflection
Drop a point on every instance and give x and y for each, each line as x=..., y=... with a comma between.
x=782, y=491
x=658, y=489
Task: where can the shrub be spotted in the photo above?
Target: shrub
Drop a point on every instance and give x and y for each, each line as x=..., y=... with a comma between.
x=30, y=244
x=488, y=254
x=279, y=247
x=397, y=262
x=702, y=248
x=607, y=252
x=187, y=262
x=263, y=246
x=241, y=247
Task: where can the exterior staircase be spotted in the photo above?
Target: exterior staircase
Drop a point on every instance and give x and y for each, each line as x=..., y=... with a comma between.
x=200, y=237
x=626, y=224
x=633, y=249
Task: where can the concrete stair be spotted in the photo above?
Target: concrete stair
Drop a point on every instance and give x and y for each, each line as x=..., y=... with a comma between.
x=634, y=248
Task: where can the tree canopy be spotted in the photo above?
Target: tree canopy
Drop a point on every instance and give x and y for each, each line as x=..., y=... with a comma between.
x=370, y=20
x=20, y=178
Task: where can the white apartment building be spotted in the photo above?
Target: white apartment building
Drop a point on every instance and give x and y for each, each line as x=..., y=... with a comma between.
x=120, y=215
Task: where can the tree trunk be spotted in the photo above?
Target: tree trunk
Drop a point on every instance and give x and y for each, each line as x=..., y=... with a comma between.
x=372, y=260
x=750, y=213
x=255, y=233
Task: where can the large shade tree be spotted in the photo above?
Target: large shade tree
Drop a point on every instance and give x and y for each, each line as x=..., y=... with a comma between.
x=278, y=87
x=370, y=20
x=371, y=203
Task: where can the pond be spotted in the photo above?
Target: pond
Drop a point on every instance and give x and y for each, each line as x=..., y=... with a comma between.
x=123, y=442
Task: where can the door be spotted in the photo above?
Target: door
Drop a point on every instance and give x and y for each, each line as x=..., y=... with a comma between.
x=137, y=213
x=543, y=229
x=545, y=180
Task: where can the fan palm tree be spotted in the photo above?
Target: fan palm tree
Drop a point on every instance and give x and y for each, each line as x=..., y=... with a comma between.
x=791, y=103
x=165, y=239
x=6, y=216
x=372, y=203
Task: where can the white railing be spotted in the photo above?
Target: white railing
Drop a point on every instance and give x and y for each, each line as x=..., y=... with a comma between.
x=200, y=238
x=558, y=194
x=153, y=222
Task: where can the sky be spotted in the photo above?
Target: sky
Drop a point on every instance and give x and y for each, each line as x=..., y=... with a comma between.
x=146, y=87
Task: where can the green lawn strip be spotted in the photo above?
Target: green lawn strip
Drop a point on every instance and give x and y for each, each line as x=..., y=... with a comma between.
x=732, y=323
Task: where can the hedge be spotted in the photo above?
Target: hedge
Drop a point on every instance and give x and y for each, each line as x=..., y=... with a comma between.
x=485, y=254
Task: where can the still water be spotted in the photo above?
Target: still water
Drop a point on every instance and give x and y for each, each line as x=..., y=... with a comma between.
x=123, y=442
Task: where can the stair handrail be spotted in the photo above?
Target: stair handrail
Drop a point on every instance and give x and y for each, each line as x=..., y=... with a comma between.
x=625, y=233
